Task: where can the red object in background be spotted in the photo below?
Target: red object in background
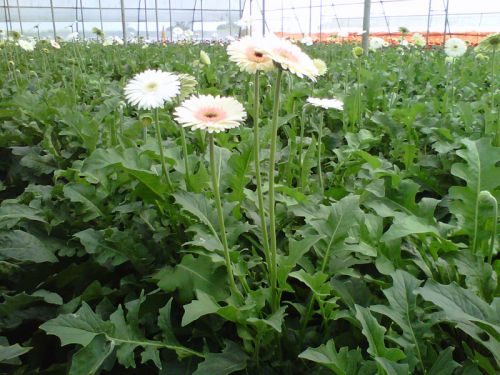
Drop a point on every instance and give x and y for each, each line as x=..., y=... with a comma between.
x=435, y=38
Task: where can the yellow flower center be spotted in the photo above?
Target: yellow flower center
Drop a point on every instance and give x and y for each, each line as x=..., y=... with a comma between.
x=152, y=86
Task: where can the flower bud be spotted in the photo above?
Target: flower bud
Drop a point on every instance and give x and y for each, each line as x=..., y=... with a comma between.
x=204, y=58
x=357, y=52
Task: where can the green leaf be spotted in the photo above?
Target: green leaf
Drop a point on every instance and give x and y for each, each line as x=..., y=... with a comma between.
x=86, y=195
x=471, y=314
x=481, y=172
x=166, y=325
x=204, y=305
x=444, y=364
x=10, y=352
x=275, y=321
x=12, y=213
x=391, y=367
x=374, y=333
x=192, y=274
x=23, y=246
x=199, y=206
x=343, y=362
x=317, y=282
x=232, y=359
x=78, y=328
x=401, y=310
x=88, y=359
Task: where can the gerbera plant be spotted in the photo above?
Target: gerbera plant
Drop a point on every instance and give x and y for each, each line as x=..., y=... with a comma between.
x=151, y=89
x=214, y=115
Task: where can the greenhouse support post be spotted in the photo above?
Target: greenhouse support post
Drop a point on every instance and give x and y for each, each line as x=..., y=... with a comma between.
x=124, y=25
x=366, y=26
x=53, y=19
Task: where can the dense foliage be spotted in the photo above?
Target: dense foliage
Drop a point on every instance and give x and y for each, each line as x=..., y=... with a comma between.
x=391, y=268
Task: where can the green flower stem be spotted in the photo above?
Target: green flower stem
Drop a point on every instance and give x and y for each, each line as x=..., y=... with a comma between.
x=358, y=95
x=220, y=217
x=493, y=232
x=300, y=149
x=256, y=150
x=160, y=146
x=497, y=140
x=320, y=136
x=272, y=219
x=145, y=133
x=185, y=156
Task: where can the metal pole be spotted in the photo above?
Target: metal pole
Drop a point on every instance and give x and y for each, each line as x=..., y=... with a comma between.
x=446, y=21
x=100, y=16
x=263, y=17
x=146, y=19
x=83, y=21
x=156, y=19
x=6, y=20
x=366, y=26
x=170, y=20
x=321, y=21
x=76, y=16
x=19, y=16
x=201, y=16
x=124, y=25
x=428, y=24
x=282, y=16
x=53, y=19
x=10, y=17
x=310, y=17
x=230, y=21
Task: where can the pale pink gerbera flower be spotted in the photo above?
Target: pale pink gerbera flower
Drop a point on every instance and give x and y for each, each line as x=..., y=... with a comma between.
x=151, y=89
x=290, y=57
x=248, y=54
x=211, y=113
x=54, y=44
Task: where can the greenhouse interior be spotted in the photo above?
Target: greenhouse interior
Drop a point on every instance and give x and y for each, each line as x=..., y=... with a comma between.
x=265, y=187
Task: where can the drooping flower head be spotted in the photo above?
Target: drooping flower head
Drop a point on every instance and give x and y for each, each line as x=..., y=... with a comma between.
x=321, y=66
x=455, y=47
x=204, y=58
x=490, y=44
x=152, y=89
x=54, y=44
x=290, y=57
x=357, y=52
x=177, y=31
x=326, y=103
x=248, y=54
x=211, y=113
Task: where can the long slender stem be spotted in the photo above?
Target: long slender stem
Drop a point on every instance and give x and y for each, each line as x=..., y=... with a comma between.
x=160, y=146
x=272, y=219
x=256, y=150
x=220, y=217
x=320, y=136
x=185, y=156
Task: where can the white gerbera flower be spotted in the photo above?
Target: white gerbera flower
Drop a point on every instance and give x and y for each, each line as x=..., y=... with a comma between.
x=188, y=34
x=246, y=21
x=107, y=42
x=291, y=58
x=177, y=31
x=73, y=36
x=326, y=103
x=455, y=47
x=151, y=89
x=118, y=40
x=54, y=44
x=404, y=43
x=376, y=43
x=26, y=45
x=307, y=40
x=321, y=66
x=213, y=114
x=248, y=54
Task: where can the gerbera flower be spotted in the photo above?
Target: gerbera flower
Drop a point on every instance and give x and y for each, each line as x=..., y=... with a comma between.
x=290, y=57
x=177, y=31
x=54, y=44
x=248, y=54
x=490, y=44
x=211, y=113
x=26, y=45
x=376, y=43
x=326, y=103
x=204, y=58
x=455, y=47
x=151, y=89
x=307, y=40
x=73, y=36
x=321, y=66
